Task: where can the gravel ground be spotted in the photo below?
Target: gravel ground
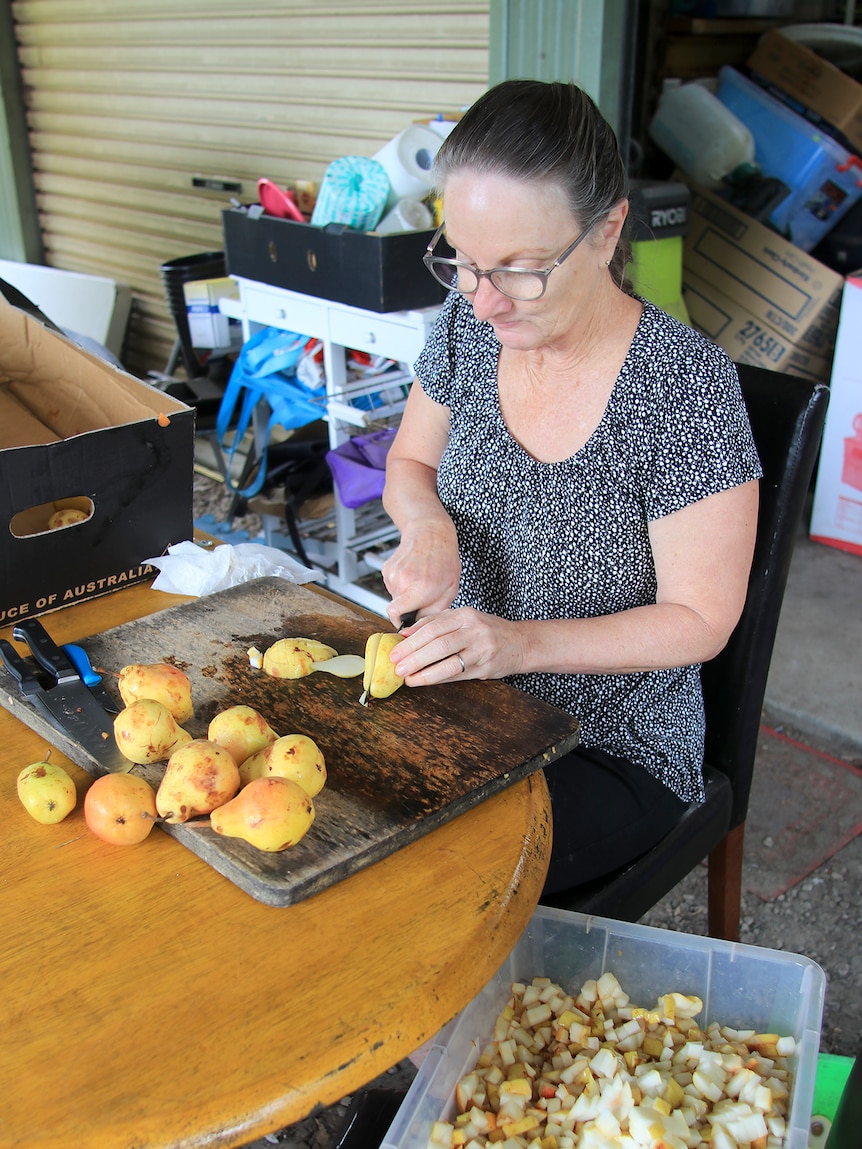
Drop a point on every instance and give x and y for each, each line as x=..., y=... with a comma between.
x=818, y=917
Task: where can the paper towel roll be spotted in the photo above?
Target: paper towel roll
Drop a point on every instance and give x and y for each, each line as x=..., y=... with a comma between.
x=353, y=192
x=407, y=215
x=407, y=160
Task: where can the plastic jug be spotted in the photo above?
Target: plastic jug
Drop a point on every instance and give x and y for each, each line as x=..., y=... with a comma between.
x=701, y=135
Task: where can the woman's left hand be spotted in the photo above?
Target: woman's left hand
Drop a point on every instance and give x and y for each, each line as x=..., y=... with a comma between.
x=459, y=643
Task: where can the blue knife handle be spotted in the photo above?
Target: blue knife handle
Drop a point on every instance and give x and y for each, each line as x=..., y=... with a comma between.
x=81, y=662
x=45, y=650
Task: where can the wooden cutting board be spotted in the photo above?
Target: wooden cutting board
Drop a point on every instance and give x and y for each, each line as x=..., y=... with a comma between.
x=395, y=769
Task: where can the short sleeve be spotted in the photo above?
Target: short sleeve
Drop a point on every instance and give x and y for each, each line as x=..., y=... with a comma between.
x=703, y=442
x=458, y=346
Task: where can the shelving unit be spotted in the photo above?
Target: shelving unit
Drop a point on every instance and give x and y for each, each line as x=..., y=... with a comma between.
x=352, y=544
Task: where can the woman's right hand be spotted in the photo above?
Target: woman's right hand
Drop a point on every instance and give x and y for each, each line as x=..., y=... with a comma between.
x=423, y=572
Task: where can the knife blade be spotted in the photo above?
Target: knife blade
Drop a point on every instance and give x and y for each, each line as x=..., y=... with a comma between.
x=407, y=620
x=71, y=709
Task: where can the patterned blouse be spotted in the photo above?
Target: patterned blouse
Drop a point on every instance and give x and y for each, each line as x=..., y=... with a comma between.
x=570, y=539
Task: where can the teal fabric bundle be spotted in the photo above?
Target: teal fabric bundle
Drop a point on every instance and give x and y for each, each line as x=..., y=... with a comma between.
x=353, y=192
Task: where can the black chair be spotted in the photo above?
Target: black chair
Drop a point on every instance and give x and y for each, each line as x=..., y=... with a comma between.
x=786, y=414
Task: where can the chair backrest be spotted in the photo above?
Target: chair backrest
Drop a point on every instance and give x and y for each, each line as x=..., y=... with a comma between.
x=786, y=414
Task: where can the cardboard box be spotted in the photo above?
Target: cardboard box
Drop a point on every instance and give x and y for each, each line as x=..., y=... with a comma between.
x=76, y=432
x=742, y=986
x=363, y=269
x=744, y=336
x=779, y=284
x=832, y=95
x=208, y=327
x=836, y=515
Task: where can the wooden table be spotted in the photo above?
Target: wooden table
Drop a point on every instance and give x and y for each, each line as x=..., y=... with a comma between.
x=146, y=1001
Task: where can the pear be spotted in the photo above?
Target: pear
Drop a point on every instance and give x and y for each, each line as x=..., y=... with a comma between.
x=269, y=813
x=120, y=809
x=241, y=730
x=47, y=792
x=380, y=679
x=295, y=657
x=199, y=777
x=161, y=681
x=66, y=518
x=146, y=731
x=293, y=756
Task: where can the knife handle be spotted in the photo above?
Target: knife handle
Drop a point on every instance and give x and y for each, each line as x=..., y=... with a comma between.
x=46, y=652
x=18, y=668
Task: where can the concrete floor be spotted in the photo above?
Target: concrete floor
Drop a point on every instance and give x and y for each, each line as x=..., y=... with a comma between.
x=815, y=681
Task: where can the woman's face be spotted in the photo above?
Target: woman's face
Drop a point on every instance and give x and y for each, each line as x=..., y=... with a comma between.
x=495, y=221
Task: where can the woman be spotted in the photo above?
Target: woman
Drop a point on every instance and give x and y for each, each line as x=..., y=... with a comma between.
x=574, y=477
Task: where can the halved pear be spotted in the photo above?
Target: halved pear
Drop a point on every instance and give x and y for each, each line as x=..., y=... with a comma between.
x=380, y=679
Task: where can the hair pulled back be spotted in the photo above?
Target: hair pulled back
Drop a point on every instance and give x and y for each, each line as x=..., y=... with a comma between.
x=542, y=132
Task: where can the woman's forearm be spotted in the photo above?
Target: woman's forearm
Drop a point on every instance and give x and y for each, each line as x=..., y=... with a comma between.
x=655, y=637
x=410, y=498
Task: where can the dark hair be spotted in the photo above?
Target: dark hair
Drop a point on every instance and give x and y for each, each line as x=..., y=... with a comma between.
x=536, y=131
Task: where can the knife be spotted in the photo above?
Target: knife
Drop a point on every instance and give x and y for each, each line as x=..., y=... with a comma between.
x=90, y=677
x=71, y=709
x=407, y=620
x=65, y=663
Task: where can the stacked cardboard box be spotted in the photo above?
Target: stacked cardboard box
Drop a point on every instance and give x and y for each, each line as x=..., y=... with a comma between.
x=763, y=300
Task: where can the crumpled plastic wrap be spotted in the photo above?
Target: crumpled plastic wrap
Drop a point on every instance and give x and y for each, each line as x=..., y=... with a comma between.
x=193, y=570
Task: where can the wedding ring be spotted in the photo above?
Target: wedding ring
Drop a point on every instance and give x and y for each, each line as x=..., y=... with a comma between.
x=461, y=660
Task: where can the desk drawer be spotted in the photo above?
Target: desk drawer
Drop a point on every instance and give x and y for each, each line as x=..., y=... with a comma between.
x=277, y=309
x=399, y=341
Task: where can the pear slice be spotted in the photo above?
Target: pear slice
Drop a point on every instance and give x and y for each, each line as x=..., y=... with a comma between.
x=342, y=665
x=380, y=679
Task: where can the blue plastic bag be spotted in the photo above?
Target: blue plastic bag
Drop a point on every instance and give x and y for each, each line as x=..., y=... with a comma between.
x=265, y=370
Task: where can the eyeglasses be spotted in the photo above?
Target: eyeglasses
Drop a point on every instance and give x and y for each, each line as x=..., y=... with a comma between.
x=519, y=283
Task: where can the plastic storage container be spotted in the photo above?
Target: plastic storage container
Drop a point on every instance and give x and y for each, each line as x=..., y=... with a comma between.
x=697, y=131
x=741, y=986
x=824, y=180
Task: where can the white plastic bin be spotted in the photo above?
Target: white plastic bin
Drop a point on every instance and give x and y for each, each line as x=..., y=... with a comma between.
x=741, y=986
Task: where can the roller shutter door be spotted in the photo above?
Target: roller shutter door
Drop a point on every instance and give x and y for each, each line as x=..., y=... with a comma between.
x=128, y=101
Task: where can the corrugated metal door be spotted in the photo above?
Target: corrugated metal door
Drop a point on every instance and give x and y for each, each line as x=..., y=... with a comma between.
x=128, y=102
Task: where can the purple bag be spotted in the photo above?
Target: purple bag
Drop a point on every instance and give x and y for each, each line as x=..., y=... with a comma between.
x=359, y=467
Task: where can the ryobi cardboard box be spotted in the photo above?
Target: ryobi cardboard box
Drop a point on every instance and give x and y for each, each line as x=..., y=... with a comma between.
x=96, y=471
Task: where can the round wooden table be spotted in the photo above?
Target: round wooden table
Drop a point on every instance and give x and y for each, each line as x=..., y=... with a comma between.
x=146, y=1001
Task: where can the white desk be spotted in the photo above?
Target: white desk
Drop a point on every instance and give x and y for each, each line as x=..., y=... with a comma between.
x=398, y=335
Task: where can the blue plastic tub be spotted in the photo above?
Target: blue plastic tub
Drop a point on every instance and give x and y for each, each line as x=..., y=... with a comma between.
x=823, y=178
